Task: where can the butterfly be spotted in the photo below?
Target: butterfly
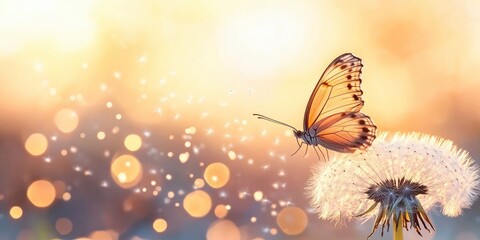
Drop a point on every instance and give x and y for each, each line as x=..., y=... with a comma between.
x=332, y=117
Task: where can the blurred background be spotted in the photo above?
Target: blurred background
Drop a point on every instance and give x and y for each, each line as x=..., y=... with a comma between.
x=133, y=119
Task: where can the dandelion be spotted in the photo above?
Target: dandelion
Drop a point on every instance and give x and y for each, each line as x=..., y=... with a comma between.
x=398, y=178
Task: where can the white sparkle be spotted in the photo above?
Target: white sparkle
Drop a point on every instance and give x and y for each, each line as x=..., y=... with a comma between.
x=142, y=59
x=223, y=194
x=117, y=75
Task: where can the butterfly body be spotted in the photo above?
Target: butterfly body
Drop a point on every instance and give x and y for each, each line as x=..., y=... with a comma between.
x=332, y=117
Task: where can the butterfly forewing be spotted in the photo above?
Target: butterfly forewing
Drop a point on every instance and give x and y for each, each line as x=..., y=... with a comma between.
x=338, y=90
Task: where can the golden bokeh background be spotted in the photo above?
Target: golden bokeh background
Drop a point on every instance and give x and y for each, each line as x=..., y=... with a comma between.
x=133, y=120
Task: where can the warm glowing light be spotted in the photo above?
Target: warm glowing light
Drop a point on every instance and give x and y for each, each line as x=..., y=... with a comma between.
x=223, y=230
x=258, y=195
x=66, y=196
x=101, y=135
x=292, y=220
x=36, y=144
x=63, y=226
x=160, y=225
x=64, y=152
x=133, y=142
x=126, y=171
x=41, y=193
x=197, y=203
x=190, y=130
x=183, y=157
x=199, y=183
x=38, y=22
x=232, y=155
x=220, y=211
x=104, y=235
x=217, y=175
x=115, y=130
x=16, y=212
x=66, y=120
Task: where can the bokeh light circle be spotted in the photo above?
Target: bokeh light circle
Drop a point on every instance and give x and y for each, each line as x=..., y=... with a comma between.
x=66, y=196
x=199, y=183
x=104, y=235
x=217, y=175
x=66, y=120
x=41, y=193
x=258, y=196
x=223, y=230
x=183, y=157
x=126, y=171
x=16, y=212
x=133, y=142
x=160, y=225
x=221, y=211
x=63, y=226
x=232, y=155
x=197, y=203
x=101, y=135
x=36, y=144
x=292, y=220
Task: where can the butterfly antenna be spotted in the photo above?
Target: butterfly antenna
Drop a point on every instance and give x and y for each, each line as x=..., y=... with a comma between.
x=273, y=120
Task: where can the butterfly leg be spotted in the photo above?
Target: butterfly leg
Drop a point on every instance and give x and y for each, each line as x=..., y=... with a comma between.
x=317, y=152
x=299, y=146
x=306, y=150
x=323, y=155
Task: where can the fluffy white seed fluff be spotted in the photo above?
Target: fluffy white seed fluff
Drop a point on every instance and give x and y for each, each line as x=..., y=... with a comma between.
x=337, y=187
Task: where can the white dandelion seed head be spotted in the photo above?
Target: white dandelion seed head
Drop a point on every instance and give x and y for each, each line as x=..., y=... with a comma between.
x=338, y=187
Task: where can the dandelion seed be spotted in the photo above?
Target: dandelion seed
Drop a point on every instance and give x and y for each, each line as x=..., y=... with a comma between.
x=399, y=178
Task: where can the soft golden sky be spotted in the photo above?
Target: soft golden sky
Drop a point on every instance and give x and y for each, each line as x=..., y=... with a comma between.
x=419, y=58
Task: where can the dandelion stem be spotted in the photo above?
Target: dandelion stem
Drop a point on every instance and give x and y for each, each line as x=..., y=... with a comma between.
x=398, y=233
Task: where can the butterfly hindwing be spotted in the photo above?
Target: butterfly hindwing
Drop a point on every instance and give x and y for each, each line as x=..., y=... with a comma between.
x=346, y=132
x=338, y=90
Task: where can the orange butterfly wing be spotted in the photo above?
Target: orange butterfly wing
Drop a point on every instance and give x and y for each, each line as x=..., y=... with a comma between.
x=332, y=113
x=345, y=132
x=338, y=90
